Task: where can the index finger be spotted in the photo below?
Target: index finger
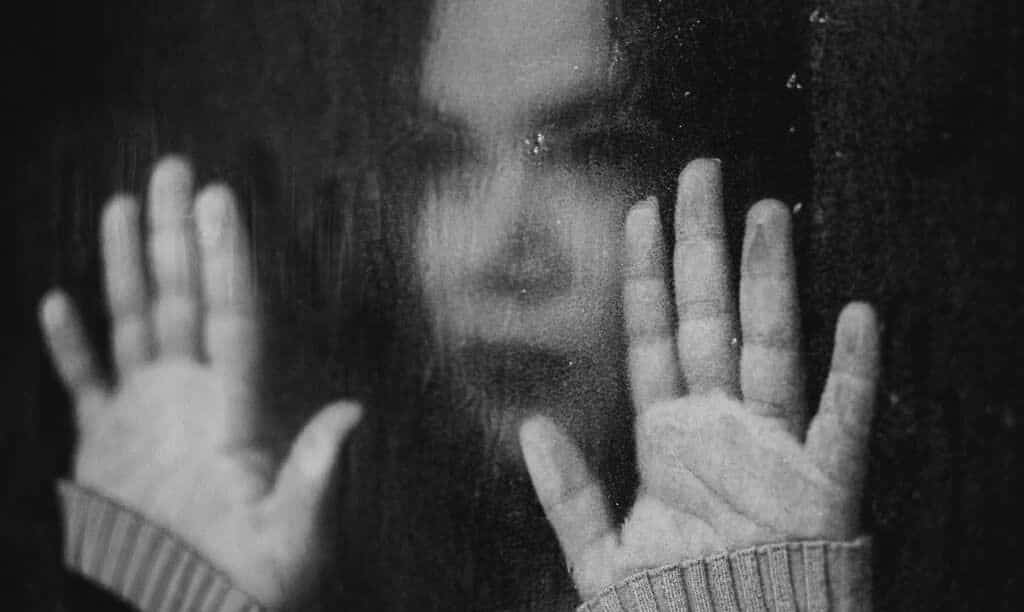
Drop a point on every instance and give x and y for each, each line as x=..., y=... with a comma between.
x=653, y=368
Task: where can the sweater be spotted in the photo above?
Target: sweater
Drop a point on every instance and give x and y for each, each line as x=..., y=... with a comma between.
x=155, y=570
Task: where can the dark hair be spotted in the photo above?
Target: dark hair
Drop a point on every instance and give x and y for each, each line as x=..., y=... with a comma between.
x=429, y=518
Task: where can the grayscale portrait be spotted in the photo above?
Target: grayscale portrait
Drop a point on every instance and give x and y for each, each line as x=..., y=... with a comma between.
x=514, y=305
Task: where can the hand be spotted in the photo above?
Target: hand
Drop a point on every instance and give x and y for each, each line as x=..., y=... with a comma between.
x=730, y=464
x=174, y=437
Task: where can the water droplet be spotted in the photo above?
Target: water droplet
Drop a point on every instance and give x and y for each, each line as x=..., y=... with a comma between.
x=839, y=154
x=687, y=93
x=734, y=342
x=819, y=16
x=799, y=206
x=894, y=399
x=793, y=82
x=792, y=129
x=537, y=144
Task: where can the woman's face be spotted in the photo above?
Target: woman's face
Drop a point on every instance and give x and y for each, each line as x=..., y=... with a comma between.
x=518, y=244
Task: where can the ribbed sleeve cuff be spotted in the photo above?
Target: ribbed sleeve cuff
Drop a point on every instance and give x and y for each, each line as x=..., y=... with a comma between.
x=141, y=562
x=793, y=576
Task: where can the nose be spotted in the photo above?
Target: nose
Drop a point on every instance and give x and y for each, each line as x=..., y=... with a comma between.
x=530, y=266
x=532, y=262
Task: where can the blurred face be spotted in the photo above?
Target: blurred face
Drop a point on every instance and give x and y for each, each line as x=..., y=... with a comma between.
x=518, y=246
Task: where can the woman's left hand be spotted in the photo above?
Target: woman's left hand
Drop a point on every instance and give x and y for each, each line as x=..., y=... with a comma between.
x=730, y=462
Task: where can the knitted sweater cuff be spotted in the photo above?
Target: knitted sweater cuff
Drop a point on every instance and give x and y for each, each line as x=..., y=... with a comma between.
x=144, y=564
x=154, y=570
x=793, y=576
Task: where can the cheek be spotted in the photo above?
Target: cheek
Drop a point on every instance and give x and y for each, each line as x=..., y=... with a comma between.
x=591, y=225
x=454, y=234
x=595, y=244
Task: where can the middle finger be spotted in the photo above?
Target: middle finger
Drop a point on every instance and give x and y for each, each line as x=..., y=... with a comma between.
x=704, y=302
x=172, y=254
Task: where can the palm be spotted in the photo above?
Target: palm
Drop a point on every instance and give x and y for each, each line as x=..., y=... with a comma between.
x=731, y=463
x=690, y=509
x=175, y=438
x=174, y=455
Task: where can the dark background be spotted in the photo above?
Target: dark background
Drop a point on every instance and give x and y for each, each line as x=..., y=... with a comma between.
x=900, y=120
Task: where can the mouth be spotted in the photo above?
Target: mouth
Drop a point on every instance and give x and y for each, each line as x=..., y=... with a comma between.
x=528, y=281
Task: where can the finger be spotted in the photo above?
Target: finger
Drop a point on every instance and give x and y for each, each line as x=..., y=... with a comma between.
x=172, y=258
x=838, y=437
x=126, y=285
x=771, y=377
x=704, y=303
x=229, y=323
x=303, y=483
x=69, y=348
x=572, y=499
x=653, y=368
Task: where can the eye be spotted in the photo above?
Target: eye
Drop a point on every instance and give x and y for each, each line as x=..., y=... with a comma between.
x=445, y=156
x=608, y=148
x=440, y=148
x=606, y=144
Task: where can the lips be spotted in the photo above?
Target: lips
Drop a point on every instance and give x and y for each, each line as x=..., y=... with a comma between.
x=529, y=278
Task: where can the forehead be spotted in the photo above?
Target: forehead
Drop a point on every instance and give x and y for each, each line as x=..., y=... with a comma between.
x=493, y=61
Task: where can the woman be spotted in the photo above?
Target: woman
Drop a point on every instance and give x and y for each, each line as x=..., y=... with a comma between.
x=531, y=147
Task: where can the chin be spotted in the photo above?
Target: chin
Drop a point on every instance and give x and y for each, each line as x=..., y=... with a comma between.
x=507, y=357
x=502, y=381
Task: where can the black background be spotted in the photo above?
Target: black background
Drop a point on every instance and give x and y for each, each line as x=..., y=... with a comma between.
x=901, y=121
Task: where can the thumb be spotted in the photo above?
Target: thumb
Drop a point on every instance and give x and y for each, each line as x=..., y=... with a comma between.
x=304, y=478
x=572, y=499
x=838, y=437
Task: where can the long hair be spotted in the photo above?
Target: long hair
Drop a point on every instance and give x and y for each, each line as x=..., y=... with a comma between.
x=429, y=518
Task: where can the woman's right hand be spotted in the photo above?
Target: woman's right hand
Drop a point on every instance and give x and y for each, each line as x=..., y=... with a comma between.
x=172, y=433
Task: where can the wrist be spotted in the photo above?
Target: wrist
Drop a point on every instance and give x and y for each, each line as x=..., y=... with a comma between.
x=797, y=575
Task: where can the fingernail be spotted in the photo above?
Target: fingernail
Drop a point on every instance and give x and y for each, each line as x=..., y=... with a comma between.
x=651, y=201
x=758, y=259
x=170, y=191
x=55, y=308
x=118, y=219
x=852, y=339
x=644, y=243
x=700, y=198
x=648, y=207
x=212, y=212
